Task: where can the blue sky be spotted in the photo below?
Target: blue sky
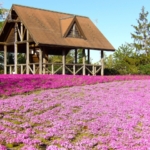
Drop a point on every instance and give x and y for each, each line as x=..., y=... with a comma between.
x=112, y=17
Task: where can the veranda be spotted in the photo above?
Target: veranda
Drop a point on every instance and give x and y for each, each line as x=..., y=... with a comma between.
x=37, y=61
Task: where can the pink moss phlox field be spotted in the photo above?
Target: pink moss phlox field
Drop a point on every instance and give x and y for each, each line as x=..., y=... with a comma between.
x=107, y=116
x=19, y=84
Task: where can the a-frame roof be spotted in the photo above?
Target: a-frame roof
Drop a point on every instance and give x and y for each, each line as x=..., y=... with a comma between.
x=50, y=28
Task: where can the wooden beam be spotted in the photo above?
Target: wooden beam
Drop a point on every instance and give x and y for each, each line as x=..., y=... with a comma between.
x=52, y=69
x=18, y=42
x=15, y=21
x=64, y=62
x=23, y=42
x=5, y=59
x=45, y=60
x=40, y=61
x=4, y=43
x=44, y=63
x=83, y=60
x=15, y=49
x=21, y=31
x=21, y=69
x=27, y=54
x=15, y=58
x=102, y=62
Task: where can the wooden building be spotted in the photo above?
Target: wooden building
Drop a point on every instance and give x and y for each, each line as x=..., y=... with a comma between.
x=38, y=33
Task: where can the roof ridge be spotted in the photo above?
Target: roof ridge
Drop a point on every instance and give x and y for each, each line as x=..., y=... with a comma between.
x=49, y=10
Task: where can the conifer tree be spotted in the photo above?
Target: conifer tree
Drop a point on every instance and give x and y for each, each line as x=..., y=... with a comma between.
x=141, y=35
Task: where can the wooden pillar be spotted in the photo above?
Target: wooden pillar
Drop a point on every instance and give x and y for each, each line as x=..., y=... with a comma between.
x=21, y=31
x=75, y=56
x=88, y=56
x=45, y=60
x=102, y=62
x=63, y=62
x=27, y=53
x=10, y=70
x=52, y=68
x=40, y=61
x=93, y=70
x=15, y=49
x=44, y=63
x=21, y=69
x=83, y=60
x=5, y=59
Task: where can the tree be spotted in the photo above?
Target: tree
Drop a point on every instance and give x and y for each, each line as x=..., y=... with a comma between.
x=142, y=33
x=58, y=58
x=69, y=57
x=21, y=58
x=109, y=61
x=2, y=11
x=125, y=60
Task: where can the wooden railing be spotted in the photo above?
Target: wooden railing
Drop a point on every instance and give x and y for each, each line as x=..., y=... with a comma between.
x=21, y=69
x=56, y=68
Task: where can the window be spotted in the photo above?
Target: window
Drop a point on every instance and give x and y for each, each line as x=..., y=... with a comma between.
x=74, y=32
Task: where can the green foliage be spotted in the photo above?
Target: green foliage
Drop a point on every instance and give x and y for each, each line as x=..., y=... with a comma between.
x=122, y=61
x=143, y=59
x=10, y=58
x=79, y=57
x=126, y=61
x=1, y=25
x=110, y=71
x=144, y=69
x=1, y=12
x=141, y=35
x=69, y=57
x=21, y=58
x=58, y=59
x=109, y=61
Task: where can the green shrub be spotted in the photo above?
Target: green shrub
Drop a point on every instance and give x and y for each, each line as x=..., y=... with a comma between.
x=144, y=69
x=110, y=71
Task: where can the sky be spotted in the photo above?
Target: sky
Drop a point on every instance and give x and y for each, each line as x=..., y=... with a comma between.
x=114, y=18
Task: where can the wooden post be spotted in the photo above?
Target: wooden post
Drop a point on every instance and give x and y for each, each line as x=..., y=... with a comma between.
x=88, y=56
x=5, y=59
x=83, y=59
x=21, y=31
x=40, y=61
x=45, y=60
x=27, y=53
x=10, y=69
x=34, y=69
x=102, y=62
x=52, y=68
x=21, y=69
x=63, y=62
x=74, y=69
x=15, y=49
x=15, y=60
x=93, y=70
